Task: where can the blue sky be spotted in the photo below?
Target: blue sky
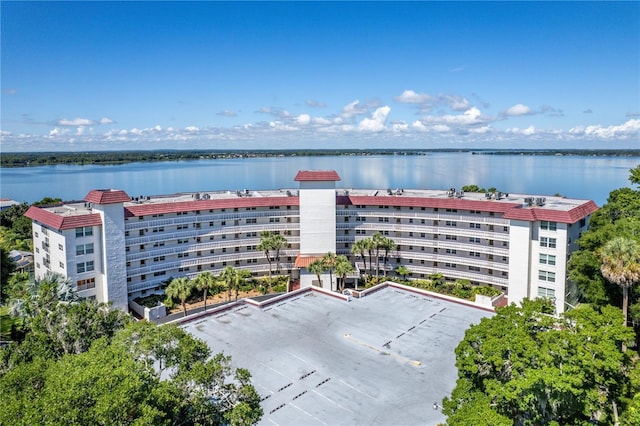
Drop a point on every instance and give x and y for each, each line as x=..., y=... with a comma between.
x=82, y=76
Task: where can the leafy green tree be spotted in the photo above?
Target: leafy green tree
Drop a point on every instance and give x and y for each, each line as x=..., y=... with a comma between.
x=526, y=366
x=635, y=175
x=8, y=268
x=378, y=241
x=621, y=265
x=180, y=288
x=473, y=188
x=146, y=375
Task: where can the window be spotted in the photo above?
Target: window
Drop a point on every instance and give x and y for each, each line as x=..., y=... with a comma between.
x=547, y=276
x=451, y=251
x=450, y=237
x=474, y=240
x=474, y=225
x=474, y=254
x=277, y=219
x=547, y=293
x=549, y=226
x=452, y=210
x=451, y=223
x=84, y=249
x=547, y=259
x=474, y=268
x=251, y=220
x=547, y=242
x=61, y=265
x=84, y=267
x=85, y=231
x=450, y=265
x=85, y=284
x=60, y=247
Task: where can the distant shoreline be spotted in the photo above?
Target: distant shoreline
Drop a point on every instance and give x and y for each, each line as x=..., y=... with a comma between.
x=34, y=159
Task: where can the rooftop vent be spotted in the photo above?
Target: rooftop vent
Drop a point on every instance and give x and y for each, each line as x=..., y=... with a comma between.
x=451, y=192
x=528, y=201
x=541, y=201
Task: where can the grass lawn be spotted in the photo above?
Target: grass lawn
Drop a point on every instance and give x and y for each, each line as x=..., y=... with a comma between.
x=5, y=323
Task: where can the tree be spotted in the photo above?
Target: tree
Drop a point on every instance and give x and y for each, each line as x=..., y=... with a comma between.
x=317, y=267
x=358, y=248
x=145, y=375
x=180, y=288
x=234, y=278
x=343, y=267
x=635, y=175
x=387, y=245
x=530, y=367
x=205, y=282
x=621, y=265
x=278, y=243
x=329, y=260
x=8, y=268
x=266, y=245
x=403, y=270
x=378, y=242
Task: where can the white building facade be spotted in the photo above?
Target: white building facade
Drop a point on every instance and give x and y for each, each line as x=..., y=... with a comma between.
x=115, y=247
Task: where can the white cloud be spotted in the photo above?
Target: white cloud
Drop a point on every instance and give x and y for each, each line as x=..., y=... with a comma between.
x=58, y=132
x=472, y=116
x=321, y=121
x=629, y=129
x=105, y=120
x=303, y=119
x=192, y=129
x=411, y=97
x=352, y=109
x=400, y=127
x=531, y=130
x=76, y=122
x=227, y=113
x=518, y=109
x=377, y=122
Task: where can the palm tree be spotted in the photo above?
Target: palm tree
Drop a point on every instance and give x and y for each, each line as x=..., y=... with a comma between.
x=317, y=267
x=204, y=282
x=358, y=248
x=227, y=275
x=329, y=261
x=180, y=288
x=621, y=266
x=377, y=243
x=239, y=278
x=388, y=245
x=404, y=271
x=278, y=243
x=266, y=245
x=343, y=267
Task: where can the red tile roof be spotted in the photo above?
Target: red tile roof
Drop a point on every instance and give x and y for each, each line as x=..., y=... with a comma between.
x=107, y=196
x=509, y=210
x=317, y=175
x=303, y=260
x=183, y=206
x=443, y=203
x=60, y=222
x=532, y=214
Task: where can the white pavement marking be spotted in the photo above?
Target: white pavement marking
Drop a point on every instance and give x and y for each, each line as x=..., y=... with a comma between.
x=356, y=389
x=307, y=413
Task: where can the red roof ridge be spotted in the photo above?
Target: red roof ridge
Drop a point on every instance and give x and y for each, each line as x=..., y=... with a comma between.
x=107, y=196
x=317, y=176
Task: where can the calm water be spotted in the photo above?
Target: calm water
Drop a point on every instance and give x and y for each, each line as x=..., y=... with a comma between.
x=577, y=177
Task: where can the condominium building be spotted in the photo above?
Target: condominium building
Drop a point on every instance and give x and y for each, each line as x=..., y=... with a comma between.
x=116, y=247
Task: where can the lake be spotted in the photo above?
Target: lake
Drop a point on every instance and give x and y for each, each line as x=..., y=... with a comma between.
x=584, y=177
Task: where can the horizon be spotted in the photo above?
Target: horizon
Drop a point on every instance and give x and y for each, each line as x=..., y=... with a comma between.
x=144, y=76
